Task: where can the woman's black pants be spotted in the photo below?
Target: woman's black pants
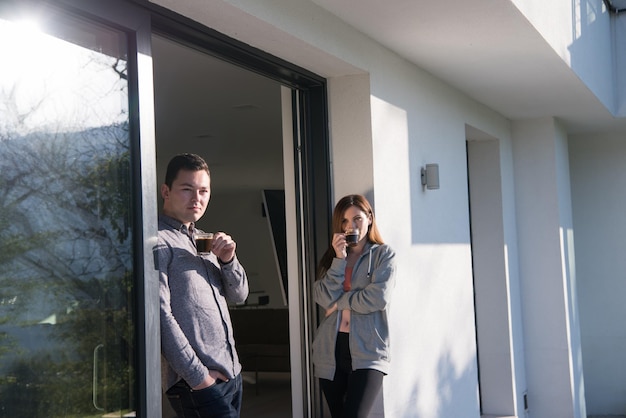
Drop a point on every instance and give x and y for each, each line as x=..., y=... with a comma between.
x=351, y=394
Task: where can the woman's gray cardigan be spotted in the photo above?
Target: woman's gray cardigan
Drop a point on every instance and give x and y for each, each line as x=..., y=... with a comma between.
x=373, y=279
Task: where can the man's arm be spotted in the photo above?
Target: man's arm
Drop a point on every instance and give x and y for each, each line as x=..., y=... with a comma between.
x=235, y=281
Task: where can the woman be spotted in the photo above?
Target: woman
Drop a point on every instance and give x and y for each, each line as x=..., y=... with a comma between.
x=351, y=347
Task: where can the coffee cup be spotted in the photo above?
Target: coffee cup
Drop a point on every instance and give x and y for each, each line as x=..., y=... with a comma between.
x=204, y=242
x=352, y=237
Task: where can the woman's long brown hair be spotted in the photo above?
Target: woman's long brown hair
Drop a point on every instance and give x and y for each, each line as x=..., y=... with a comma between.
x=373, y=234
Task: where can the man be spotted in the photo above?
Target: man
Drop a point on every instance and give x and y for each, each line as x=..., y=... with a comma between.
x=201, y=369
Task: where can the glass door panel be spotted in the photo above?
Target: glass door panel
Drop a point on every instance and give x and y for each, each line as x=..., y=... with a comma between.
x=66, y=262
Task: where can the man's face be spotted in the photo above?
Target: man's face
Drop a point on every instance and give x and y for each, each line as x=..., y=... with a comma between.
x=188, y=197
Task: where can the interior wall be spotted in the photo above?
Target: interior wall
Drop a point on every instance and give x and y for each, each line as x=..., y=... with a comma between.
x=598, y=182
x=239, y=214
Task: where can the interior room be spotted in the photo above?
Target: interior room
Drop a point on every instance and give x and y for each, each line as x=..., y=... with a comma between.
x=232, y=118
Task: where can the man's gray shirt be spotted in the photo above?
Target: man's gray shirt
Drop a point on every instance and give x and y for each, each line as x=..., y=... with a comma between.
x=196, y=330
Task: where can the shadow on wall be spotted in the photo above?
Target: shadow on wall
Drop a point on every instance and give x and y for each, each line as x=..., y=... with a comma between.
x=452, y=385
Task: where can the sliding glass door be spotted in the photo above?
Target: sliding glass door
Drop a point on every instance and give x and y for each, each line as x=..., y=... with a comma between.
x=68, y=285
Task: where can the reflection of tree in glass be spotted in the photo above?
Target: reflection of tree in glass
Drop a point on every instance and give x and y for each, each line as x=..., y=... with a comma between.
x=65, y=266
x=66, y=218
x=59, y=384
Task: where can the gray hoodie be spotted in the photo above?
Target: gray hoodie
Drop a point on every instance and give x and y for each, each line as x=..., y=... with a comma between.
x=372, y=282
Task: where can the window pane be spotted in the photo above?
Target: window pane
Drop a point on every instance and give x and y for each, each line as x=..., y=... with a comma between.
x=66, y=305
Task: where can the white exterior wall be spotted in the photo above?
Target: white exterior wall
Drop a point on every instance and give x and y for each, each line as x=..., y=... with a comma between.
x=349, y=117
x=551, y=324
x=513, y=270
x=416, y=119
x=599, y=199
x=580, y=33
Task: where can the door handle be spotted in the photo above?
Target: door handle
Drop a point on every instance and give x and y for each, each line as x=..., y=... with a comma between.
x=95, y=376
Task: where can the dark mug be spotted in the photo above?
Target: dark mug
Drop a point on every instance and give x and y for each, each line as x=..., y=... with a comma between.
x=352, y=237
x=204, y=242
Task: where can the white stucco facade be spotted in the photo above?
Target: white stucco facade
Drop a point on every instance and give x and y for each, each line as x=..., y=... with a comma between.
x=510, y=276
x=555, y=343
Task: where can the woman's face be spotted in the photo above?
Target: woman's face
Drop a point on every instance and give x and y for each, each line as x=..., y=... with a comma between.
x=354, y=217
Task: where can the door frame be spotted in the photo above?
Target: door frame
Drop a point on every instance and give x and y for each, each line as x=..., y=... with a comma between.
x=310, y=158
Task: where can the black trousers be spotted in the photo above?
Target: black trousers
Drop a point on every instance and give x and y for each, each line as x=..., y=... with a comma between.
x=351, y=394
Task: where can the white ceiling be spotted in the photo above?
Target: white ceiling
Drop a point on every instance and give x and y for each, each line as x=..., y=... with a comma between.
x=501, y=61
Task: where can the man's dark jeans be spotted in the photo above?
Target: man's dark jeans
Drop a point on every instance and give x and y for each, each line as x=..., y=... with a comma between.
x=222, y=400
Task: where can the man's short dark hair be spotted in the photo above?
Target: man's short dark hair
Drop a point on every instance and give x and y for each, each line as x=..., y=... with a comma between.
x=190, y=162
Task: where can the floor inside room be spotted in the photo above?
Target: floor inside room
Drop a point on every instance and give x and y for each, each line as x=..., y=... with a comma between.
x=268, y=397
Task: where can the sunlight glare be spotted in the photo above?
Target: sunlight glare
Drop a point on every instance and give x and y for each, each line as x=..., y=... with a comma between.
x=52, y=80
